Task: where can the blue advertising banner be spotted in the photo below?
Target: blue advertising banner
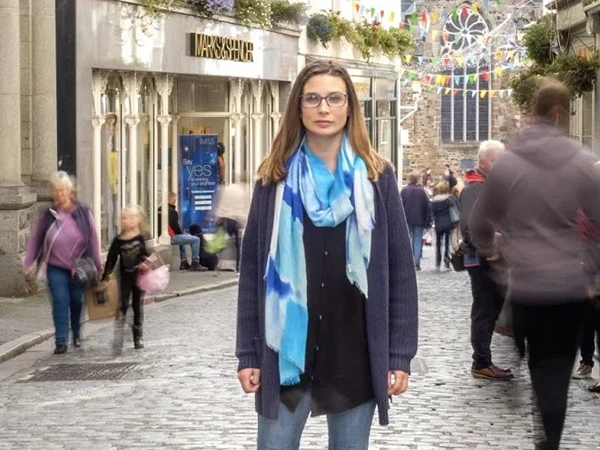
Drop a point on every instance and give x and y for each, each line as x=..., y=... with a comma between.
x=198, y=180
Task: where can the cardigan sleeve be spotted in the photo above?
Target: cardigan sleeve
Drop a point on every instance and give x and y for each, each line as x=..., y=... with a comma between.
x=248, y=294
x=403, y=301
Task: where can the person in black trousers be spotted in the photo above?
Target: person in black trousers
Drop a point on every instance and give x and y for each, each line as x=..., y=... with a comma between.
x=548, y=284
x=129, y=247
x=440, y=209
x=488, y=293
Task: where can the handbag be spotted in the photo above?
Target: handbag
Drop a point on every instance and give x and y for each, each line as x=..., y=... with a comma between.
x=454, y=213
x=457, y=259
x=85, y=272
x=154, y=281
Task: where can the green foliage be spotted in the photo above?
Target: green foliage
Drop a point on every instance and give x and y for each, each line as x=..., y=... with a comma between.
x=395, y=43
x=368, y=38
x=282, y=11
x=320, y=28
x=539, y=38
x=253, y=11
x=524, y=86
x=578, y=73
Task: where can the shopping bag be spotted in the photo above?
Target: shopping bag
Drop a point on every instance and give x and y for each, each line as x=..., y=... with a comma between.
x=154, y=281
x=218, y=243
x=102, y=301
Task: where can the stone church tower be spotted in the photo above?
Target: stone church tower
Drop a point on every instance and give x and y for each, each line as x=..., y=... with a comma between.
x=455, y=90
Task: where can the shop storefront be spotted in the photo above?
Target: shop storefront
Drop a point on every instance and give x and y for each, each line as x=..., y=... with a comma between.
x=141, y=88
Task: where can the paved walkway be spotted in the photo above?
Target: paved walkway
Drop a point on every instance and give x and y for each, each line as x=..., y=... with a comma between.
x=183, y=392
x=23, y=316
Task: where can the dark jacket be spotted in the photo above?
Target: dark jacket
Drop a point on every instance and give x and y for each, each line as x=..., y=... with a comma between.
x=474, y=180
x=440, y=208
x=533, y=193
x=391, y=310
x=173, y=220
x=416, y=205
x=451, y=180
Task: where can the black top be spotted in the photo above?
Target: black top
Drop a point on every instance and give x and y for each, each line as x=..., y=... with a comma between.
x=173, y=220
x=132, y=252
x=338, y=371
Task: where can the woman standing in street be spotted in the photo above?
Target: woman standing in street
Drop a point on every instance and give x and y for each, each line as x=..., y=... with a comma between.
x=63, y=234
x=440, y=209
x=327, y=308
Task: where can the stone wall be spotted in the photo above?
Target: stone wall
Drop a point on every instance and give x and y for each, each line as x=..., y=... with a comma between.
x=425, y=147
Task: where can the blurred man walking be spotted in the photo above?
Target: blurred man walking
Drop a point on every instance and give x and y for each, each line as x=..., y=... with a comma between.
x=533, y=192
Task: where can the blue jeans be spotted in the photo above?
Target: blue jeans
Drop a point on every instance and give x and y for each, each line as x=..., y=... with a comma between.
x=416, y=239
x=187, y=239
x=67, y=295
x=348, y=430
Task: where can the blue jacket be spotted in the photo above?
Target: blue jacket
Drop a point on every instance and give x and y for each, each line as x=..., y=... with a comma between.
x=391, y=309
x=416, y=205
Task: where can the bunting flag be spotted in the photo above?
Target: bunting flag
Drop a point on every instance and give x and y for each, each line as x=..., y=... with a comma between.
x=423, y=16
x=483, y=93
x=443, y=84
x=457, y=80
x=509, y=59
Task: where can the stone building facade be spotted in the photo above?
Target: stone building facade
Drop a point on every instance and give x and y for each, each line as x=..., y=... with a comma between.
x=445, y=127
x=27, y=126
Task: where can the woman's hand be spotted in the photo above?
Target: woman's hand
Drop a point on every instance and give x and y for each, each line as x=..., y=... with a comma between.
x=397, y=382
x=28, y=272
x=249, y=379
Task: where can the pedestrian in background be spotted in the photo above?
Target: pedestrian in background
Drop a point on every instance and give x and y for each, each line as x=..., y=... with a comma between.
x=129, y=248
x=63, y=234
x=418, y=214
x=450, y=178
x=334, y=329
x=232, y=213
x=440, y=209
x=542, y=246
x=488, y=294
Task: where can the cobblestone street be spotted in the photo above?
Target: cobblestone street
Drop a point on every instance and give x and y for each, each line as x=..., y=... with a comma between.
x=184, y=392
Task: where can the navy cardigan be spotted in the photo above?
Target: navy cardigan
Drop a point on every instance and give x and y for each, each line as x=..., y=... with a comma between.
x=391, y=309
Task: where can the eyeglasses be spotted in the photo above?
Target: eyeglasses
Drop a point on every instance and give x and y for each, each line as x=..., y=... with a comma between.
x=335, y=100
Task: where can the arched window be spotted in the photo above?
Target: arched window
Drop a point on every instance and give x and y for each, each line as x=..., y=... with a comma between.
x=465, y=108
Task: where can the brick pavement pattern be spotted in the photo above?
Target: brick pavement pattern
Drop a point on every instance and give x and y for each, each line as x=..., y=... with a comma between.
x=185, y=395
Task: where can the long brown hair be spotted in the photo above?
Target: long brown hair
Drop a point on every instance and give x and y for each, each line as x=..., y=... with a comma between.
x=273, y=168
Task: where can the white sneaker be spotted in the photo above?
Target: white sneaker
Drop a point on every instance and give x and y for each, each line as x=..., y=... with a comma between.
x=584, y=371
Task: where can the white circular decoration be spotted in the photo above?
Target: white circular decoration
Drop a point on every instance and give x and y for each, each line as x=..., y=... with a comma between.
x=463, y=29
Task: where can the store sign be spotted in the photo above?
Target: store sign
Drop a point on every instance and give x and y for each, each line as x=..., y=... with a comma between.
x=218, y=47
x=198, y=180
x=362, y=86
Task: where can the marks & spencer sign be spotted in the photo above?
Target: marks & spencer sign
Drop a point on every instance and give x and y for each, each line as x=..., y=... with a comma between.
x=218, y=47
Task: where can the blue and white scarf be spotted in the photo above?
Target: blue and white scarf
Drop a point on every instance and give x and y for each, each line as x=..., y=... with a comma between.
x=351, y=198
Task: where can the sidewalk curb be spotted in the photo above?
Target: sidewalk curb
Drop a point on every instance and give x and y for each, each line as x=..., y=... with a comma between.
x=191, y=291
x=17, y=346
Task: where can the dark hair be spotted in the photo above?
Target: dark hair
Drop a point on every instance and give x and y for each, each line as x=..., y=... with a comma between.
x=220, y=149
